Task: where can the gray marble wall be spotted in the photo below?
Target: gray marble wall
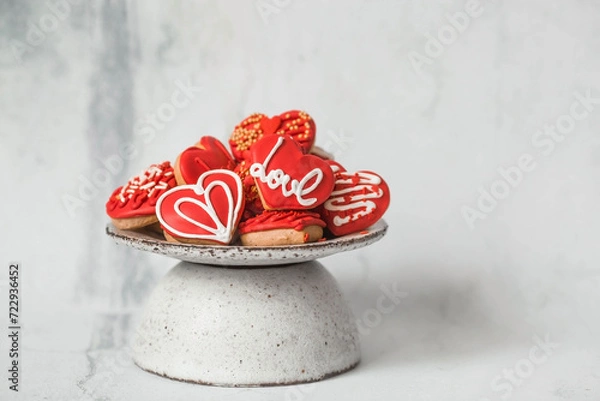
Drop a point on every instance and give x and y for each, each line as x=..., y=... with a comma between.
x=443, y=98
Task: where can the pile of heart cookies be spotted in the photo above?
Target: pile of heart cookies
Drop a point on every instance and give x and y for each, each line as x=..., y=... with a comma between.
x=274, y=187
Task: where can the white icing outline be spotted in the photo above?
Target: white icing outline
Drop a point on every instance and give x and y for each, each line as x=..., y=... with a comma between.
x=278, y=177
x=221, y=232
x=335, y=201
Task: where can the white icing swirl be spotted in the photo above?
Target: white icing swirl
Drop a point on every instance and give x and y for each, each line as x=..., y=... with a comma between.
x=359, y=197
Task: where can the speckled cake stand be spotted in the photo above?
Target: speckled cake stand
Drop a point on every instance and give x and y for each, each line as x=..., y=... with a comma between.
x=242, y=317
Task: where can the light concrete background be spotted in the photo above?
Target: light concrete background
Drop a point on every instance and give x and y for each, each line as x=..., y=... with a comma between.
x=483, y=280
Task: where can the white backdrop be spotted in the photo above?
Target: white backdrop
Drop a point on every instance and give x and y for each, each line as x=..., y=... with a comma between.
x=483, y=116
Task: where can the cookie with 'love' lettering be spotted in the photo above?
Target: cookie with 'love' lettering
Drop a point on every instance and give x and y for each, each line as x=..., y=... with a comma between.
x=286, y=178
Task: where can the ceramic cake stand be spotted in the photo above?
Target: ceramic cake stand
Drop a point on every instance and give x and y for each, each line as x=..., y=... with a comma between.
x=247, y=316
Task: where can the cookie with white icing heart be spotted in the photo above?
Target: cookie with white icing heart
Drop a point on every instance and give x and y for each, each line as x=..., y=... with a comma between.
x=205, y=213
x=286, y=178
x=208, y=154
x=133, y=205
x=357, y=202
x=294, y=123
x=276, y=227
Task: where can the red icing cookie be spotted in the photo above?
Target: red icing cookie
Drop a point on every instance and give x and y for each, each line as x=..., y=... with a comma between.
x=208, y=154
x=286, y=178
x=357, y=202
x=205, y=213
x=297, y=124
x=273, y=219
x=133, y=205
x=276, y=228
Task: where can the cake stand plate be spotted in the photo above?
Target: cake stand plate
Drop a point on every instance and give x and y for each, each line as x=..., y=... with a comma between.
x=252, y=324
x=241, y=256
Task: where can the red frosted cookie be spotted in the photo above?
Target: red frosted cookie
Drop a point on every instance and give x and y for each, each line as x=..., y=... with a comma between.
x=286, y=178
x=205, y=213
x=295, y=123
x=132, y=206
x=208, y=154
x=357, y=202
x=272, y=228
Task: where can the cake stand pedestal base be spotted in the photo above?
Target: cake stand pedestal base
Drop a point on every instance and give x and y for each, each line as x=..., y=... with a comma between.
x=247, y=327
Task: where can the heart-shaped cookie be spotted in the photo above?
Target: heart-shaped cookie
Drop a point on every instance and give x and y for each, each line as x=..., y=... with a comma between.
x=133, y=205
x=358, y=200
x=205, y=213
x=300, y=126
x=208, y=154
x=295, y=123
x=286, y=178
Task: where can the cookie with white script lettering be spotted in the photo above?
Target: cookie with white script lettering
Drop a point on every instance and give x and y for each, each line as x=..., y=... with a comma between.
x=133, y=205
x=286, y=178
x=358, y=201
